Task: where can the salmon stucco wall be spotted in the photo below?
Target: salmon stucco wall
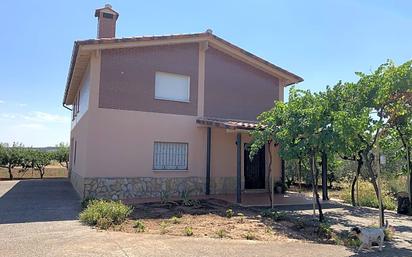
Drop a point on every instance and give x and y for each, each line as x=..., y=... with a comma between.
x=127, y=79
x=236, y=90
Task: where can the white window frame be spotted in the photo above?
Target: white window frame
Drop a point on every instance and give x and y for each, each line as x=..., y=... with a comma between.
x=172, y=99
x=168, y=166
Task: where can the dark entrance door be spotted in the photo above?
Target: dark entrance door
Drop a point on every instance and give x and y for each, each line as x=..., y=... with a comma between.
x=254, y=169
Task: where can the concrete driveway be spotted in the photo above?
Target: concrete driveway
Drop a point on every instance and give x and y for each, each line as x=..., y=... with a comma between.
x=38, y=218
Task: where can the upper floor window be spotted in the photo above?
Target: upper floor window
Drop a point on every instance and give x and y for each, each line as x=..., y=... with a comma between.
x=174, y=87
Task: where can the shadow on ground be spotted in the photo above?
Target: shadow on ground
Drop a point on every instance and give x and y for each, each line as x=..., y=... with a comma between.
x=347, y=217
x=38, y=200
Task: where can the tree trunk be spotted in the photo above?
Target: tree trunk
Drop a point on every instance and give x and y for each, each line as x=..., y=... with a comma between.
x=315, y=175
x=41, y=170
x=374, y=183
x=324, y=177
x=375, y=187
x=355, y=179
x=408, y=159
x=299, y=175
x=9, y=169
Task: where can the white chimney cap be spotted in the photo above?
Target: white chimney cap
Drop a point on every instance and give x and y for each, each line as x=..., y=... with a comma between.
x=108, y=6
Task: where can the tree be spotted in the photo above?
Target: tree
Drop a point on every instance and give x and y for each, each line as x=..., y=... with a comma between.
x=11, y=157
x=265, y=133
x=61, y=154
x=302, y=130
x=40, y=160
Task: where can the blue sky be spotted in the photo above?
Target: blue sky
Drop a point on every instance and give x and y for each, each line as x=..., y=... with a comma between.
x=322, y=41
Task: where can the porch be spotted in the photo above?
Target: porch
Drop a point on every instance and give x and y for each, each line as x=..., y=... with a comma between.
x=227, y=160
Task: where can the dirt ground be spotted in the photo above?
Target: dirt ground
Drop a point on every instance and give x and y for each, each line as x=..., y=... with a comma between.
x=209, y=218
x=52, y=171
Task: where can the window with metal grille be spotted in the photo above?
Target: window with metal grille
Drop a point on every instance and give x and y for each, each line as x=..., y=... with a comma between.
x=170, y=156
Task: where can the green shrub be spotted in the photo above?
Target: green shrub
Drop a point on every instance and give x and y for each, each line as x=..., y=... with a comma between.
x=188, y=231
x=174, y=220
x=325, y=230
x=273, y=214
x=164, y=197
x=367, y=196
x=250, y=236
x=113, y=212
x=221, y=233
x=85, y=202
x=104, y=223
x=139, y=226
x=229, y=213
x=346, y=239
x=163, y=228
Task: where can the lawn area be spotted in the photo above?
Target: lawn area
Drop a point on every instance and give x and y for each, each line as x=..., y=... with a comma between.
x=52, y=171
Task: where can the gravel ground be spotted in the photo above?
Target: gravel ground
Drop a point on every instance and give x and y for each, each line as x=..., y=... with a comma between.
x=38, y=218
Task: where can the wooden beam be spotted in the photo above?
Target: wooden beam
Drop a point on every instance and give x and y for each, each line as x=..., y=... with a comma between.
x=238, y=167
x=208, y=143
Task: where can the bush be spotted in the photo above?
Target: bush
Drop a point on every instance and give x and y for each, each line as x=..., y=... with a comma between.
x=86, y=202
x=229, y=213
x=139, y=226
x=106, y=211
x=324, y=230
x=273, y=214
x=175, y=220
x=163, y=228
x=188, y=231
x=250, y=236
x=221, y=233
x=367, y=196
x=104, y=223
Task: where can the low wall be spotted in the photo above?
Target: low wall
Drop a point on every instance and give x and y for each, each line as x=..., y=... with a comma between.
x=146, y=187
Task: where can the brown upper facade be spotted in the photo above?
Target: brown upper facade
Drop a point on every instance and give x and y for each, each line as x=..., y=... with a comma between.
x=223, y=80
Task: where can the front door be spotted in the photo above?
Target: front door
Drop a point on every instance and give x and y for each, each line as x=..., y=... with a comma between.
x=254, y=169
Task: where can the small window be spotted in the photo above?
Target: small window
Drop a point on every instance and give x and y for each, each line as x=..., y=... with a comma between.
x=173, y=87
x=107, y=15
x=170, y=156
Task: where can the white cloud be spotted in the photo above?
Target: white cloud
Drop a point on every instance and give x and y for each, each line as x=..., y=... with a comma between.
x=36, y=126
x=21, y=105
x=46, y=117
x=7, y=116
x=2, y=102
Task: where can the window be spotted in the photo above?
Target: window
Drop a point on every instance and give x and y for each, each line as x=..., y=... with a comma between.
x=173, y=87
x=170, y=156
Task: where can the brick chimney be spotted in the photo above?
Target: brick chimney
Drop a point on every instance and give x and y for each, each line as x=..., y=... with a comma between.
x=106, y=26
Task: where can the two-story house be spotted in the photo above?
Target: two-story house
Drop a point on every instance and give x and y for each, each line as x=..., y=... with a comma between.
x=157, y=114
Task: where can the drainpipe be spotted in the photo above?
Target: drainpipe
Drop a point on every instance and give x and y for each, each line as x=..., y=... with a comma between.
x=209, y=139
x=238, y=167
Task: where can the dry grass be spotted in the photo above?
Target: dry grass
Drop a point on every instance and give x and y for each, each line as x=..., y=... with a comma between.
x=52, y=171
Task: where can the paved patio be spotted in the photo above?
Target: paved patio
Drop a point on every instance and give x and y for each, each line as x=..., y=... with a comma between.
x=249, y=199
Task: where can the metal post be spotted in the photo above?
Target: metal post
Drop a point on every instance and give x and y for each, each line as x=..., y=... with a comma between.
x=238, y=167
x=283, y=175
x=208, y=143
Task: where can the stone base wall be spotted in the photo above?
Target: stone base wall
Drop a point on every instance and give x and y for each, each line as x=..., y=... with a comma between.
x=223, y=185
x=146, y=187
x=77, y=182
x=122, y=188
